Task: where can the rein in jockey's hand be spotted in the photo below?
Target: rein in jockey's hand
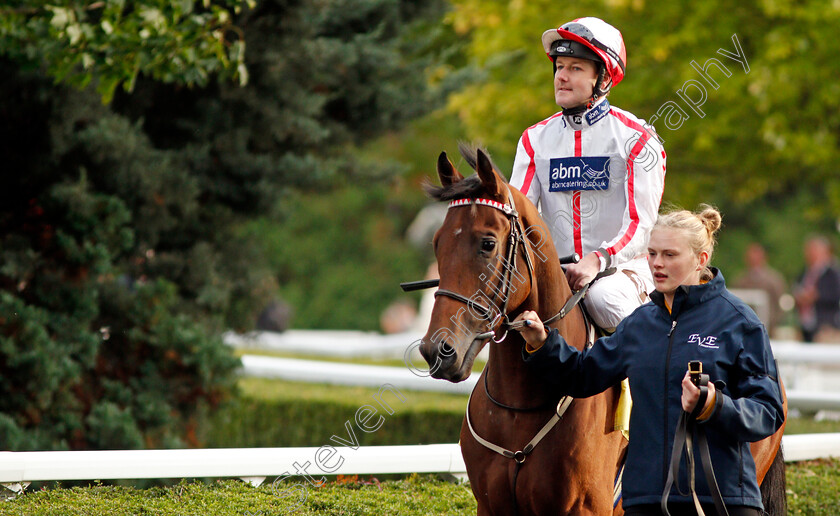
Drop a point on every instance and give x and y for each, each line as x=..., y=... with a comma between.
x=580, y=273
x=533, y=330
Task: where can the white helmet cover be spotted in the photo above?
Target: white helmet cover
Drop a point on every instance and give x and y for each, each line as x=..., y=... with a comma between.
x=599, y=36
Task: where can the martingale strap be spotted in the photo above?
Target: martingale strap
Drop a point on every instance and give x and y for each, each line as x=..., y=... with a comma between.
x=521, y=455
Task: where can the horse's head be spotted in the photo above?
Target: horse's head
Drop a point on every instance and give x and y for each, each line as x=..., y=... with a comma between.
x=482, y=256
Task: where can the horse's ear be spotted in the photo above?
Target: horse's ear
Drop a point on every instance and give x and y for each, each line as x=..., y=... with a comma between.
x=446, y=171
x=491, y=179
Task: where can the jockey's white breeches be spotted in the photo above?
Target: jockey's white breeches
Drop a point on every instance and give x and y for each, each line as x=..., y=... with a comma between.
x=614, y=297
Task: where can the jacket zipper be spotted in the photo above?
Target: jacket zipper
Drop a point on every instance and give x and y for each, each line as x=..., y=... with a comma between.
x=666, y=453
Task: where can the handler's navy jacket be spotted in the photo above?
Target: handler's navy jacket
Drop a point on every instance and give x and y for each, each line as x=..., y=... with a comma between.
x=652, y=348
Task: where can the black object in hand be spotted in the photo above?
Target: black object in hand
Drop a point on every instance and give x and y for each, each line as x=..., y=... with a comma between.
x=695, y=369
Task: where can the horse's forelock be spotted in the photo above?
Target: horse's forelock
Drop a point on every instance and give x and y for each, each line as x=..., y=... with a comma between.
x=469, y=152
x=468, y=188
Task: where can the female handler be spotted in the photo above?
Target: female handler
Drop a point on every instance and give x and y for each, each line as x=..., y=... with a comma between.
x=596, y=171
x=692, y=317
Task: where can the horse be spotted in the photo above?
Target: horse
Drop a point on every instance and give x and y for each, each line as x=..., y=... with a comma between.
x=525, y=451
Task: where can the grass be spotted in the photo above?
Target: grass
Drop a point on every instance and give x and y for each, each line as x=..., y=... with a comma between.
x=411, y=496
x=813, y=490
x=278, y=390
x=806, y=425
x=813, y=487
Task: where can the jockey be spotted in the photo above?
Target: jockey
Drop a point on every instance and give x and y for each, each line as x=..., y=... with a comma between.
x=596, y=172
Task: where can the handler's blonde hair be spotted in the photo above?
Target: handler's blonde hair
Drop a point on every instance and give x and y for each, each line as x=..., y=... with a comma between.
x=700, y=228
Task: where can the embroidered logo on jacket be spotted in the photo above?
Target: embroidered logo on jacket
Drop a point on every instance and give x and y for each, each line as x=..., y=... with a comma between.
x=579, y=173
x=703, y=342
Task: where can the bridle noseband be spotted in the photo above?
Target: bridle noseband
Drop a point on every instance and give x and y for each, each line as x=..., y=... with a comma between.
x=515, y=238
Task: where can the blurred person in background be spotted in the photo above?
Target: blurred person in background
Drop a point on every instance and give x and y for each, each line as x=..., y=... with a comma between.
x=817, y=292
x=759, y=275
x=398, y=317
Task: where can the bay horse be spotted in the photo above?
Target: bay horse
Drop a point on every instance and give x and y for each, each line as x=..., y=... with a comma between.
x=525, y=452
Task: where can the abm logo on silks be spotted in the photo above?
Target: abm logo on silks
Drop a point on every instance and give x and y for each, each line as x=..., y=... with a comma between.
x=579, y=173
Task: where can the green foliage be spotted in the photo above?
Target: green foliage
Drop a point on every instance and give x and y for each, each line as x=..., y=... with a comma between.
x=72, y=331
x=781, y=223
x=339, y=256
x=286, y=414
x=111, y=43
x=812, y=490
x=761, y=138
x=412, y=496
x=324, y=76
x=784, y=43
x=126, y=228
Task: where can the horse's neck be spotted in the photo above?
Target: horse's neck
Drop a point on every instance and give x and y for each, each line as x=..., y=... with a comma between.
x=550, y=290
x=509, y=374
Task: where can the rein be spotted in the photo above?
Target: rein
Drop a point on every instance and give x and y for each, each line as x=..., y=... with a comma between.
x=687, y=431
x=515, y=238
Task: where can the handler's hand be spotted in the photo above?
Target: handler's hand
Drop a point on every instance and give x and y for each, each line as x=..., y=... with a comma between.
x=691, y=394
x=584, y=271
x=533, y=332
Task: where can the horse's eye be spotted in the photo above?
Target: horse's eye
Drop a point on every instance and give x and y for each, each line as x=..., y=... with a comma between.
x=488, y=245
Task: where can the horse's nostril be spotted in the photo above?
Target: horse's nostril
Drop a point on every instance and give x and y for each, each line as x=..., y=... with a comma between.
x=446, y=350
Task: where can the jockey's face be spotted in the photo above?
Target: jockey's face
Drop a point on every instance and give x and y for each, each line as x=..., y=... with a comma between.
x=574, y=81
x=672, y=262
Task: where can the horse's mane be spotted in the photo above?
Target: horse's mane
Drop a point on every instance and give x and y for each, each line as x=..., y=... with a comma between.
x=467, y=188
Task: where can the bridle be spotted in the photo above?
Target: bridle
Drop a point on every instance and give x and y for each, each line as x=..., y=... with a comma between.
x=516, y=237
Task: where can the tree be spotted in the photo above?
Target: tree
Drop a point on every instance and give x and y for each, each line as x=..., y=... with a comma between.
x=758, y=106
x=764, y=130
x=111, y=43
x=124, y=226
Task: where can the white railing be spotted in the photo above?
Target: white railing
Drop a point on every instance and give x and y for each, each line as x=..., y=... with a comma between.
x=350, y=343
x=225, y=463
x=810, y=446
x=335, y=373
x=333, y=343
x=314, y=371
x=255, y=464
